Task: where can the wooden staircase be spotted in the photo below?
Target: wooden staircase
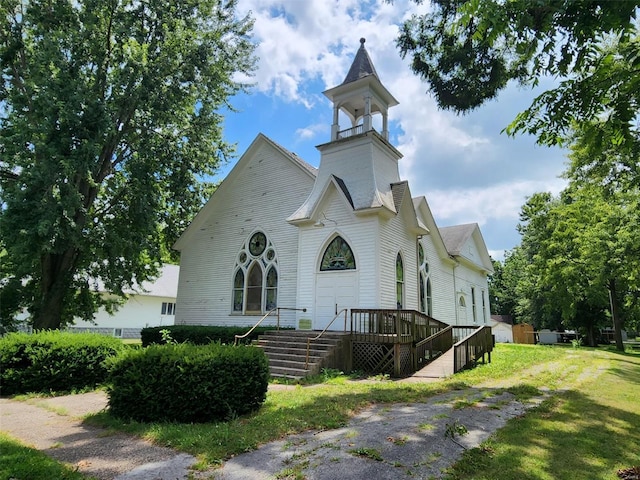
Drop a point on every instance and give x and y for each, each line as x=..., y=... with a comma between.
x=287, y=352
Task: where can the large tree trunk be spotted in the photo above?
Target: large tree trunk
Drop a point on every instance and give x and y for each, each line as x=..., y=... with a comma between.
x=615, y=314
x=57, y=271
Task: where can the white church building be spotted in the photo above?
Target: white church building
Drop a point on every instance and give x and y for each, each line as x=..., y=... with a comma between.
x=348, y=235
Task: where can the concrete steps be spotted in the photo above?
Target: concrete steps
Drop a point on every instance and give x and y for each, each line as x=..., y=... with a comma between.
x=287, y=352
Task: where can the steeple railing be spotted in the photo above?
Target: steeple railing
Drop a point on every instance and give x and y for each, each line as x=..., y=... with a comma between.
x=351, y=132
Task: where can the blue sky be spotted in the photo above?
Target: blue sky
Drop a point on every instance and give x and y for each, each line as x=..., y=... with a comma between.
x=465, y=167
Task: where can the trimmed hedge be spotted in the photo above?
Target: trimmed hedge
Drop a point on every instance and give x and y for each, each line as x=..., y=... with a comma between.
x=200, y=335
x=188, y=383
x=54, y=361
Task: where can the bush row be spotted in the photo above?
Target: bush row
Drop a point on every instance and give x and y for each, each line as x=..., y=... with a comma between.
x=187, y=383
x=199, y=335
x=54, y=361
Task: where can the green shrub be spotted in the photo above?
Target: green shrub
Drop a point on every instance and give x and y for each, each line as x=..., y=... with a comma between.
x=54, y=361
x=199, y=335
x=188, y=383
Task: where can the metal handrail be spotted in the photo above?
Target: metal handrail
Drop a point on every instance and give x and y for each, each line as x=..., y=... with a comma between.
x=277, y=309
x=306, y=363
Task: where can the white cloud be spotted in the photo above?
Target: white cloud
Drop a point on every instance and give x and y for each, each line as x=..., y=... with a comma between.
x=494, y=202
x=467, y=170
x=311, y=131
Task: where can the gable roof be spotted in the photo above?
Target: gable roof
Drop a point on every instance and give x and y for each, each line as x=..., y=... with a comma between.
x=165, y=285
x=260, y=141
x=508, y=319
x=457, y=236
x=422, y=207
x=361, y=67
x=400, y=191
x=344, y=189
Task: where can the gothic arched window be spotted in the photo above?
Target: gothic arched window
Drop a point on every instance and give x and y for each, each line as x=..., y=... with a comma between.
x=338, y=256
x=399, y=281
x=255, y=281
x=426, y=297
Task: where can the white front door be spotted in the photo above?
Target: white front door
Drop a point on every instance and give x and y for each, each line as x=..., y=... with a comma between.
x=334, y=292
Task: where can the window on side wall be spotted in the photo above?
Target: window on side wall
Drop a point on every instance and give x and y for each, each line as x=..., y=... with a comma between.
x=168, y=308
x=473, y=305
x=255, y=277
x=399, y=282
x=426, y=297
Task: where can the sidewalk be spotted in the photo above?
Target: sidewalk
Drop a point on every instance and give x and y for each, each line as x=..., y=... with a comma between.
x=54, y=426
x=407, y=448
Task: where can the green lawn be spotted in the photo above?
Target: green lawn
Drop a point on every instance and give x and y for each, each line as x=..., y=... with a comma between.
x=18, y=462
x=589, y=428
x=589, y=431
x=562, y=439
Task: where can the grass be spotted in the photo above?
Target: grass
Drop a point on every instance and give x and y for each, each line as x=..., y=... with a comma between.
x=589, y=431
x=569, y=436
x=19, y=462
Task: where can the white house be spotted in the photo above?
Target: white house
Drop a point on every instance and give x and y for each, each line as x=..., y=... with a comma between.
x=502, y=328
x=280, y=233
x=151, y=305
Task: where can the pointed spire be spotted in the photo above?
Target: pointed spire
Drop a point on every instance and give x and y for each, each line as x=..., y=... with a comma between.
x=362, y=65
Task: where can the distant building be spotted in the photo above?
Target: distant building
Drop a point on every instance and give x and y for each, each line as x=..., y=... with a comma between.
x=502, y=328
x=151, y=305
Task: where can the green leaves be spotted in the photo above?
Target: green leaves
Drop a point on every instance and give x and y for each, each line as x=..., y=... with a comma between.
x=469, y=50
x=110, y=123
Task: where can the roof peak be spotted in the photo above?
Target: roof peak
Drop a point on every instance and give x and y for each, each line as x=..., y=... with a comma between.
x=362, y=65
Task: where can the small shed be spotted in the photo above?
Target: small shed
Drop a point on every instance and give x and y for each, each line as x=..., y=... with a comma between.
x=548, y=337
x=501, y=328
x=523, y=333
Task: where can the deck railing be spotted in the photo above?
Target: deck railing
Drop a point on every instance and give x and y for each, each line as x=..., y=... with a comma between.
x=392, y=326
x=429, y=348
x=470, y=349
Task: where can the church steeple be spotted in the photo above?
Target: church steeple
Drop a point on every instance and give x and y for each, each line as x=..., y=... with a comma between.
x=361, y=95
x=361, y=66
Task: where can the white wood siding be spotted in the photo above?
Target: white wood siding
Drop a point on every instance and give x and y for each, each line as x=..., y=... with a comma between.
x=395, y=237
x=139, y=311
x=266, y=190
x=359, y=233
x=442, y=284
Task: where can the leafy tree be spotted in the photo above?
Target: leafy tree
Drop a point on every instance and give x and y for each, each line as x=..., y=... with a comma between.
x=468, y=50
x=583, y=251
x=535, y=304
x=504, y=282
x=109, y=122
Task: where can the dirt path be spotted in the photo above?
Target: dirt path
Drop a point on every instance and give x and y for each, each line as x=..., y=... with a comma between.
x=399, y=441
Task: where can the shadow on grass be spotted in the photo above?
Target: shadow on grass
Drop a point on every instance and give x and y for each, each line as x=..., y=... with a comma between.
x=319, y=407
x=587, y=434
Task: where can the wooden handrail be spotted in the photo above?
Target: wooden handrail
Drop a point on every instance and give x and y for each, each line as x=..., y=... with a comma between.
x=477, y=344
x=306, y=363
x=277, y=309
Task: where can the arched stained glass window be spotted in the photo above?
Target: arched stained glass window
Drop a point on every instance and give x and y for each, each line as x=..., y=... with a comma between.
x=399, y=281
x=426, y=298
x=254, y=288
x=271, y=299
x=423, y=297
x=238, y=291
x=255, y=281
x=338, y=256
